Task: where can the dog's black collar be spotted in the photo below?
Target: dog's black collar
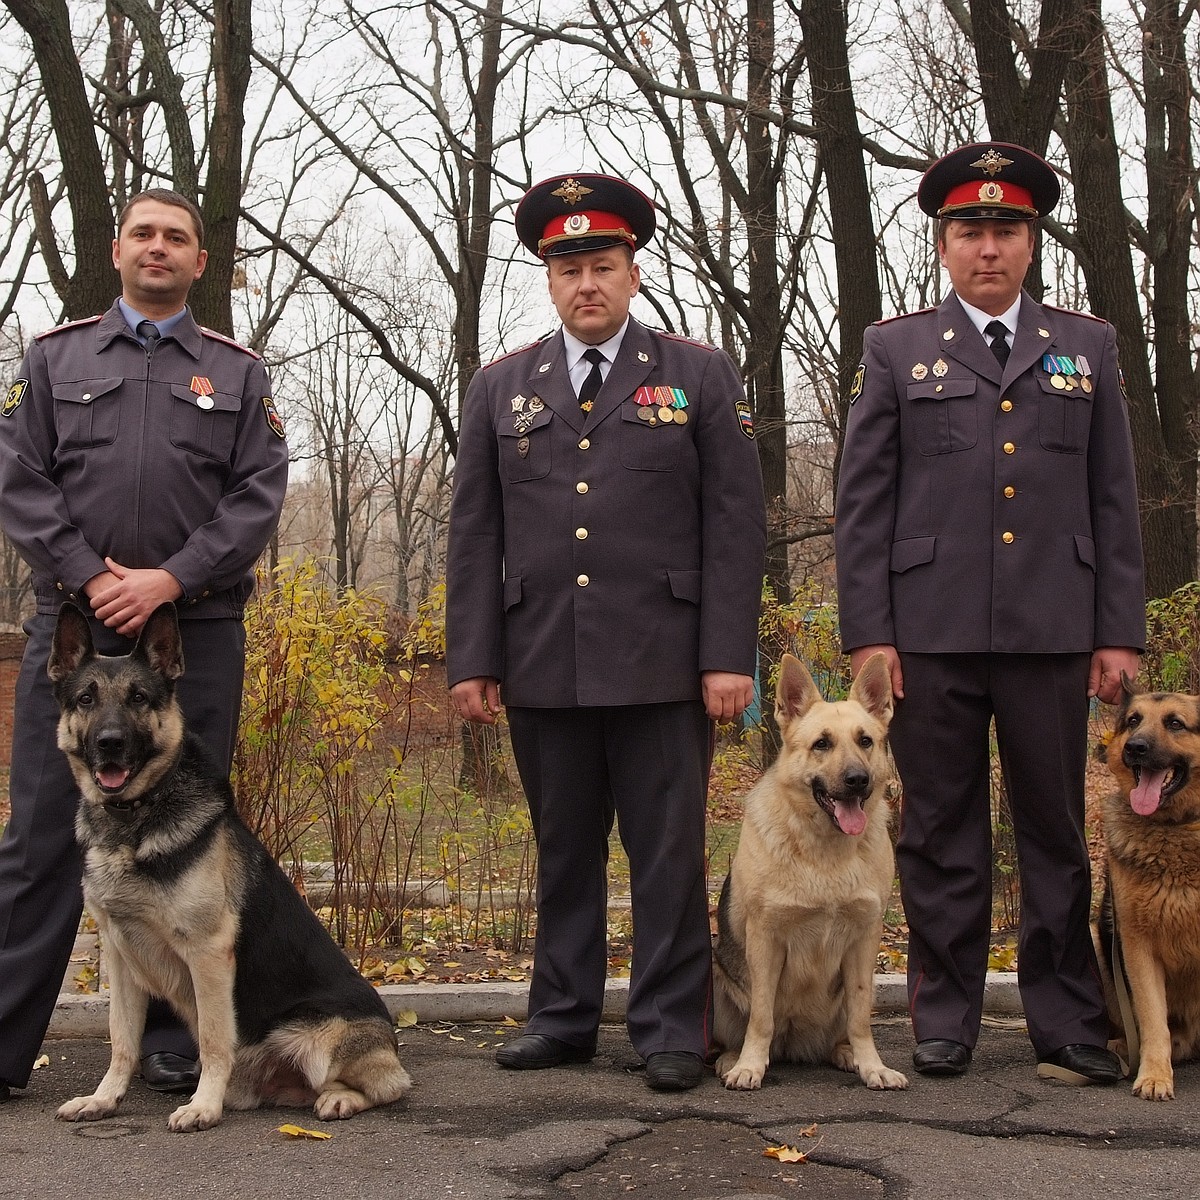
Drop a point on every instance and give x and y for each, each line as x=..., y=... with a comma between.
x=123, y=810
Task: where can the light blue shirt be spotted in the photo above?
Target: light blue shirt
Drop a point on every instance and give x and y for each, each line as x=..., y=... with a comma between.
x=578, y=367
x=133, y=319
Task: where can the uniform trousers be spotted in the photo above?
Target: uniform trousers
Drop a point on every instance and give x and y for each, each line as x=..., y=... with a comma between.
x=940, y=739
x=40, y=865
x=648, y=765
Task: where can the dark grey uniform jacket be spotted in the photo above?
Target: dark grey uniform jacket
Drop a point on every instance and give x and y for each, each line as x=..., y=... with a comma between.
x=977, y=513
x=596, y=559
x=104, y=451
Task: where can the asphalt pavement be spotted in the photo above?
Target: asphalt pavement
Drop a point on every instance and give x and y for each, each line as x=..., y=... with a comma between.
x=471, y=1130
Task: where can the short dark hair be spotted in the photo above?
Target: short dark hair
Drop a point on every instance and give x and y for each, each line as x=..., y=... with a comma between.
x=165, y=196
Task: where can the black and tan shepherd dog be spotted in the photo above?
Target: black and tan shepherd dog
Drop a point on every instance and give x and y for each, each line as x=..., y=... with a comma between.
x=801, y=913
x=193, y=909
x=1152, y=833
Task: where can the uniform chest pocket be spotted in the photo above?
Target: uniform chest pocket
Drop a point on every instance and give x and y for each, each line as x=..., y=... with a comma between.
x=87, y=412
x=945, y=415
x=1063, y=417
x=646, y=447
x=204, y=425
x=525, y=451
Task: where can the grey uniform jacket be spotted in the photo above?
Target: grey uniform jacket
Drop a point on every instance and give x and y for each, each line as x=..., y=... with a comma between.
x=981, y=511
x=173, y=460
x=599, y=559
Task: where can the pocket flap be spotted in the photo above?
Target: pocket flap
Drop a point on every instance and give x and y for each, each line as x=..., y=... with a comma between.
x=84, y=391
x=213, y=402
x=912, y=552
x=941, y=389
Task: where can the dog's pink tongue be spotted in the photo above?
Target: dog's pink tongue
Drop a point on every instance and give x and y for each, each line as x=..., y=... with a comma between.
x=111, y=777
x=851, y=818
x=1146, y=796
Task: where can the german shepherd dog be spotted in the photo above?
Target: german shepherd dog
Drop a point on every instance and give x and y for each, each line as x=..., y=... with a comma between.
x=192, y=908
x=1152, y=831
x=801, y=913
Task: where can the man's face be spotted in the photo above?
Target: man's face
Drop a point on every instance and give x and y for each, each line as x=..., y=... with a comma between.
x=592, y=291
x=159, y=257
x=987, y=261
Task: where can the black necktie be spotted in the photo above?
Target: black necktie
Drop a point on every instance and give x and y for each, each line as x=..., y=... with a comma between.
x=999, y=335
x=590, y=387
x=148, y=331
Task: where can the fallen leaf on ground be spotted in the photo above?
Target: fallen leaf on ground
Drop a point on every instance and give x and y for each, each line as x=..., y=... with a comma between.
x=297, y=1132
x=406, y=1019
x=44, y=1061
x=787, y=1154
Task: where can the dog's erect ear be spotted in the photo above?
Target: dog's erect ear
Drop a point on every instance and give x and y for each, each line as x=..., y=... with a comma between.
x=795, y=693
x=159, y=642
x=72, y=643
x=873, y=687
x=1129, y=689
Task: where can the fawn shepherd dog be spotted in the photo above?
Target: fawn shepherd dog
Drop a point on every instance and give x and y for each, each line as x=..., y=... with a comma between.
x=801, y=912
x=193, y=909
x=1152, y=832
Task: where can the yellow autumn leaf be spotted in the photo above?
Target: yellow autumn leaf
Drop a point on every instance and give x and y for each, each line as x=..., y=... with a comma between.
x=809, y=1131
x=509, y=1021
x=406, y=1019
x=787, y=1154
x=44, y=1061
x=297, y=1132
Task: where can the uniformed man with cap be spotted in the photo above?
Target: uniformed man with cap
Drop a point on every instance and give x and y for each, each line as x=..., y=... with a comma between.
x=605, y=568
x=988, y=542
x=141, y=460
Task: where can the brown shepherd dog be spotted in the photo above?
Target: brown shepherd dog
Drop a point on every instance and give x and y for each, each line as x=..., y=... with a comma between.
x=192, y=908
x=801, y=913
x=1152, y=830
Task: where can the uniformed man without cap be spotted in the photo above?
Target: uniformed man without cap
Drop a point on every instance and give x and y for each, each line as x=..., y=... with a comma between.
x=988, y=542
x=141, y=461
x=605, y=570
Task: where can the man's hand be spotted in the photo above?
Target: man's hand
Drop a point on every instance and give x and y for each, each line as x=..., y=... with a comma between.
x=477, y=699
x=860, y=654
x=124, y=597
x=1104, y=678
x=725, y=694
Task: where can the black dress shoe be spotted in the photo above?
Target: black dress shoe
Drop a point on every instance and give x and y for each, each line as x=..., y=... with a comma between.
x=166, y=1072
x=941, y=1056
x=1088, y=1064
x=5, y=1095
x=535, y=1051
x=674, y=1070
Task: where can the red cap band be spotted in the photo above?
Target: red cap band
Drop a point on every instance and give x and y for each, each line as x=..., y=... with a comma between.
x=590, y=224
x=990, y=194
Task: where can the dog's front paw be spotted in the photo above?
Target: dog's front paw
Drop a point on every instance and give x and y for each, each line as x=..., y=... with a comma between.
x=1151, y=1087
x=340, y=1104
x=187, y=1118
x=883, y=1078
x=743, y=1076
x=87, y=1108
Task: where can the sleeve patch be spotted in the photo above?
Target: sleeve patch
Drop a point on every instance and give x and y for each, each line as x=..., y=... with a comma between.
x=860, y=377
x=273, y=418
x=746, y=418
x=12, y=401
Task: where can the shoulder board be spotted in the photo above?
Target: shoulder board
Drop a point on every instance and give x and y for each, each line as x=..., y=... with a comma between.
x=678, y=337
x=220, y=337
x=69, y=325
x=1075, y=312
x=904, y=316
x=512, y=353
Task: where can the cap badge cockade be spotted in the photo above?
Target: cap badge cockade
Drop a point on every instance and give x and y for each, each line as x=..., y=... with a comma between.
x=993, y=162
x=572, y=191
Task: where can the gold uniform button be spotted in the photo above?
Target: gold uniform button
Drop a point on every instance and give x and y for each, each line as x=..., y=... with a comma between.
x=1010, y=492
x=581, y=488
x=1007, y=538
x=583, y=580
x=581, y=534
x=1009, y=448
x=1006, y=406
x=585, y=444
